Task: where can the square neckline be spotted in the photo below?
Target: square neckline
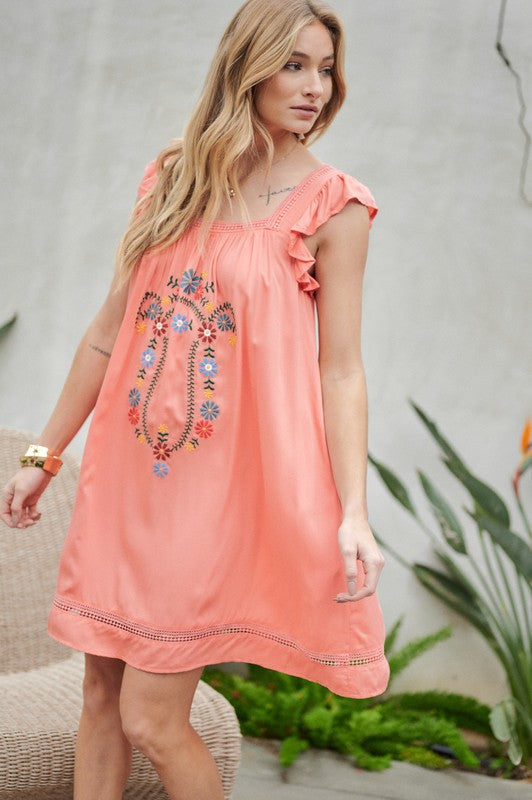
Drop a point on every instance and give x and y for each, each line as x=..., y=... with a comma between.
x=273, y=220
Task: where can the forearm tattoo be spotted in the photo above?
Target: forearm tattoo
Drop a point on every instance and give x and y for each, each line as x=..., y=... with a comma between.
x=99, y=350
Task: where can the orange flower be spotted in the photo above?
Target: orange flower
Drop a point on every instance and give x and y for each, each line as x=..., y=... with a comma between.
x=526, y=437
x=163, y=428
x=141, y=327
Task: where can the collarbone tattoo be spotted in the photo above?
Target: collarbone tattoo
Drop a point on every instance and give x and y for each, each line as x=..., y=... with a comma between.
x=271, y=192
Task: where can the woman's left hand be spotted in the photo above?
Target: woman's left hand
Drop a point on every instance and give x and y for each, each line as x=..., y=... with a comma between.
x=357, y=543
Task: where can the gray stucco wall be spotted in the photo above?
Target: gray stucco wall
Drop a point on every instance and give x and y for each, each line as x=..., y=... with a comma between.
x=93, y=89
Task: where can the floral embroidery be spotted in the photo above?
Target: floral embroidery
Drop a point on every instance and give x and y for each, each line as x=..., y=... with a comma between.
x=190, y=281
x=186, y=310
x=203, y=428
x=160, y=468
x=206, y=333
x=209, y=410
x=160, y=326
x=162, y=451
x=134, y=397
x=148, y=357
x=208, y=367
x=153, y=311
x=180, y=323
x=224, y=322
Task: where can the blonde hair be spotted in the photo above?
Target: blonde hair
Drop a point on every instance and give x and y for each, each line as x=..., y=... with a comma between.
x=193, y=174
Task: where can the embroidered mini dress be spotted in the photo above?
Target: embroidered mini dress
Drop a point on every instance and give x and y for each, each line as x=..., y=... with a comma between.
x=205, y=523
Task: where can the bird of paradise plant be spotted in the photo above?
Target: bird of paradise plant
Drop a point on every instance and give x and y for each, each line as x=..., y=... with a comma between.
x=493, y=591
x=524, y=464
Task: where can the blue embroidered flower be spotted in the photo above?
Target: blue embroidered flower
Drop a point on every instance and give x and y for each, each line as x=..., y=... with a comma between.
x=224, y=322
x=179, y=323
x=190, y=281
x=160, y=469
x=148, y=357
x=209, y=410
x=134, y=397
x=208, y=367
x=153, y=310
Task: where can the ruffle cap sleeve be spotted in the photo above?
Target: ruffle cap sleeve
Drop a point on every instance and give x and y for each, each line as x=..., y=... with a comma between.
x=335, y=193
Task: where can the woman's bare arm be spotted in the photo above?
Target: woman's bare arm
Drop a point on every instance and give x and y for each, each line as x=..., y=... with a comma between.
x=341, y=249
x=76, y=401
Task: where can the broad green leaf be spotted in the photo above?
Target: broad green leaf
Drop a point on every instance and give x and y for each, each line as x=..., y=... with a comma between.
x=516, y=548
x=5, y=326
x=503, y=725
x=448, y=521
x=394, y=485
x=515, y=752
x=454, y=594
x=483, y=495
x=502, y=720
x=433, y=429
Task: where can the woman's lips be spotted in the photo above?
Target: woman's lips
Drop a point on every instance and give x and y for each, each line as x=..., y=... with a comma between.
x=305, y=112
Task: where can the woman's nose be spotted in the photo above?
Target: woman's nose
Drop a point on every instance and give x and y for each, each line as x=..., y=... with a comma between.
x=314, y=86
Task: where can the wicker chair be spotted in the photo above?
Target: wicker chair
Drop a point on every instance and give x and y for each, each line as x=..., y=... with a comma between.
x=40, y=680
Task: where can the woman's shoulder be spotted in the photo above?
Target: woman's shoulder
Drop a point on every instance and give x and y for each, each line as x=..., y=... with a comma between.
x=334, y=189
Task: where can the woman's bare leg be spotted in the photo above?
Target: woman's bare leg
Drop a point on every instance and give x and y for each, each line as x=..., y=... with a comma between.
x=155, y=712
x=103, y=753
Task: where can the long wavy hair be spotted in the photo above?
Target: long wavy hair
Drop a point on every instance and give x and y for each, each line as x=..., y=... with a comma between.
x=194, y=174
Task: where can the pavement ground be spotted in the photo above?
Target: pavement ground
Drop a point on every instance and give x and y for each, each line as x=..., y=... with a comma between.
x=323, y=775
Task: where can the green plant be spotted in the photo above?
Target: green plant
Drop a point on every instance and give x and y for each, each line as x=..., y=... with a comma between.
x=373, y=731
x=6, y=325
x=488, y=586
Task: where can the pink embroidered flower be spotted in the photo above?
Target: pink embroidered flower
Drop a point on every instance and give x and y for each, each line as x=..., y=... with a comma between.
x=203, y=428
x=133, y=415
x=207, y=333
x=160, y=326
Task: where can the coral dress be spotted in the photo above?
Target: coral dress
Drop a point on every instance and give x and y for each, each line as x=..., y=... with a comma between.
x=205, y=523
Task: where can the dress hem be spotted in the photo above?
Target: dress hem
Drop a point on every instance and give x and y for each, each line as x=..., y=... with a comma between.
x=358, y=676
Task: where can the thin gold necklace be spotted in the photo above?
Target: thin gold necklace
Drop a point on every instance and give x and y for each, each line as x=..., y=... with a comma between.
x=277, y=160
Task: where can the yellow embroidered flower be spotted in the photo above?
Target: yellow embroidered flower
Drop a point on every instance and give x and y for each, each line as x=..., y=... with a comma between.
x=232, y=339
x=139, y=381
x=141, y=438
x=190, y=447
x=208, y=393
x=140, y=326
x=166, y=301
x=203, y=275
x=208, y=306
x=163, y=428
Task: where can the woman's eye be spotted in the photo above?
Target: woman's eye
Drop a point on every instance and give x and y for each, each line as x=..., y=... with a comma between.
x=293, y=65
x=327, y=71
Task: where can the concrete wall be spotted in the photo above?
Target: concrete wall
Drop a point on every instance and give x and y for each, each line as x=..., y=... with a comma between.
x=93, y=89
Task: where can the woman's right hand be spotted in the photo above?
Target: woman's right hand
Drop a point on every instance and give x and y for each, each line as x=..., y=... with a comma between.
x=20, y=497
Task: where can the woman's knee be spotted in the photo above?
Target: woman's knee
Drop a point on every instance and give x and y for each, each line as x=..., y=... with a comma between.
x=153, y=735
x=101, y=684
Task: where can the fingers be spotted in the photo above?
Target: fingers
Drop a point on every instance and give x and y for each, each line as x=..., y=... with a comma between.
x=14, y=512
x=372, y=570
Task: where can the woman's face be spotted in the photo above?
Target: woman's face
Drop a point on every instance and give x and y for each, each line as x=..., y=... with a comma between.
x=293, y=98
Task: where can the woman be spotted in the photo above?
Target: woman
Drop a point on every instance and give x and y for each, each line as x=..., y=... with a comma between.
x=224, y=457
